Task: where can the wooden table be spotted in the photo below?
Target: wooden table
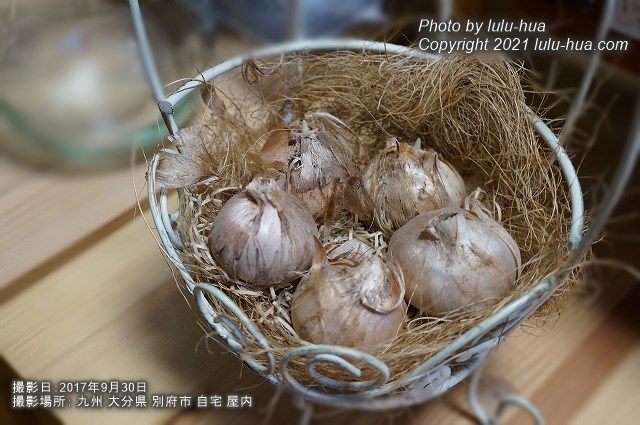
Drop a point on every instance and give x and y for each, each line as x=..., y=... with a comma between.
x=86, y=295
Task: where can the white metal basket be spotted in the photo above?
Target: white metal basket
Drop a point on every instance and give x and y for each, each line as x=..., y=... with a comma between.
x=437, y=373
x=432, y=378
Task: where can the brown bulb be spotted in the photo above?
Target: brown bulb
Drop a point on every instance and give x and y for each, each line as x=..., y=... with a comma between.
x=263, y=235
x=402, y=182
x=454, y=258
x=316, y=159
x=354, y=301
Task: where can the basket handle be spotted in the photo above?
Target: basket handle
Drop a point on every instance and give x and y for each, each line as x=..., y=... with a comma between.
x=145, y=51
x=149, y=65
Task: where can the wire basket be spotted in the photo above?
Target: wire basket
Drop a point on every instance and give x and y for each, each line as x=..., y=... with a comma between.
x=435, y=375
x=432, y=378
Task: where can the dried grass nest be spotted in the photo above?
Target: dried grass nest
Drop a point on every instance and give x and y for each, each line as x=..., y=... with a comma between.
x=471, y=110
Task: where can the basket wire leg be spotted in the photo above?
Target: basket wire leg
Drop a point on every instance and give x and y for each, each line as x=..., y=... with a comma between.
x=594, y=61
x=512, y=399
x=306, y=410
x=623, y=174
x=272, y=404
x=445, y=9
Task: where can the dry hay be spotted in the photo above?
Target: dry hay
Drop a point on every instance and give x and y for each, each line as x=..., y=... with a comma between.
x=469, y=109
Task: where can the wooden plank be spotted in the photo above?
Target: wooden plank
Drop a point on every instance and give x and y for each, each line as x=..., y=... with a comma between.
x=578, y=375
x=61, y=310
x=114, y=312
x=524, y=363
x=618, y=399
x=12, y=175
x=48, y=213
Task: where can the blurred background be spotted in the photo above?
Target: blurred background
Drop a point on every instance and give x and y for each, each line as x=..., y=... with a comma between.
x=84, y=291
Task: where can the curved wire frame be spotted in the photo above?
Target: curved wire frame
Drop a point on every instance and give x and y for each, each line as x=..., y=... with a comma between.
x=437, y=373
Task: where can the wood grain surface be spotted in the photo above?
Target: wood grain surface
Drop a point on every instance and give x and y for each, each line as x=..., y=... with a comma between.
x=43, y=215
x=111, y=310
x=114, y=312
x=86, y=295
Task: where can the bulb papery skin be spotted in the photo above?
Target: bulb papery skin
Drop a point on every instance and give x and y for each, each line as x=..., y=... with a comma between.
x=452, y=259
x=357, y=199
x=322, y=201
x=316, y=160
x=404, y=181
x=279, y=149
x=349, y=303
x=350, y=250
x=263, y=235
x=324, y=156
